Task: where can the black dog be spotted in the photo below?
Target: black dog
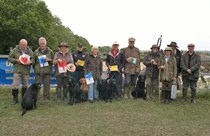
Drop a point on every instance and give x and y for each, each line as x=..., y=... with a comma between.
x=107, y=89
x=139, y=91
x=30, y=98
x=74, y=91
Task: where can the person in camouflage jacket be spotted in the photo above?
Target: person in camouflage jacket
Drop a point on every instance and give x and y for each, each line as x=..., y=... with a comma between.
x=21, y=68
x=43, y=57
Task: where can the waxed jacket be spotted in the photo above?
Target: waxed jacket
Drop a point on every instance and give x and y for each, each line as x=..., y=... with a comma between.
x=130, y=68
x=37, y=67
x=170, y=70
x=152, y=70
x=18, y=67
x=194, y=65
x=94, y=65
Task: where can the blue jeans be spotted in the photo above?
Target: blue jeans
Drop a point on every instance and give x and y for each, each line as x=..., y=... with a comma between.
x=92, y=92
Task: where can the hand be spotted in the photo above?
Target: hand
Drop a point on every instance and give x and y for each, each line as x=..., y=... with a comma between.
x=189, y=71
x=18, y=61
x=162, y=67
x=59, y=60
x=128, y=59
x=28, y=63
x=47, y=59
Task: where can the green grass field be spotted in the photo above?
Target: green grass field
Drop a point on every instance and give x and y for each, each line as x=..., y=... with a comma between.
x=119, y=118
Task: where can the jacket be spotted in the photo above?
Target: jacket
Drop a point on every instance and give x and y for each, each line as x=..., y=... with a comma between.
x=130, y=68
x=37, y=68
x=15, y=54
x=194, y=65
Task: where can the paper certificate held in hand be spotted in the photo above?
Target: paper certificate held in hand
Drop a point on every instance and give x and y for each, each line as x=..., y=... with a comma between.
x=80, y=63
x=42, y=61
x=133, y=60
x=89, y=78
x=114, y=68
x=62, y=66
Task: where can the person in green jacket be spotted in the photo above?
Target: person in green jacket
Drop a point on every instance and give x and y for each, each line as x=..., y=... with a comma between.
x=21, y=57
x=190, y=64
x=43, y=57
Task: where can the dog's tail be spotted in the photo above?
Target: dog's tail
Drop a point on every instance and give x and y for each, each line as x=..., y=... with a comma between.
x=24, y=112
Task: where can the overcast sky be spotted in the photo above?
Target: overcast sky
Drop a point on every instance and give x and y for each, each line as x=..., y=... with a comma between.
x=102, y=22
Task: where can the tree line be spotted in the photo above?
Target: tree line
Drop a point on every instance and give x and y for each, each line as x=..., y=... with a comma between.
x=31, y=19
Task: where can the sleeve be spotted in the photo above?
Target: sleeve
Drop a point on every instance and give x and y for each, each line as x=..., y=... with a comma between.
x=197, y=65
x=11, y=57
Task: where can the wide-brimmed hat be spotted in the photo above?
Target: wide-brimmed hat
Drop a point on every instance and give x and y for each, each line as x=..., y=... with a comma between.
x=154, y=46
x=168, y=49
x=63, y=44
x=173, y=44
x=71, y=67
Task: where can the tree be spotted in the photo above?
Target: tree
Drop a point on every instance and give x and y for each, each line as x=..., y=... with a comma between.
x=31, y=19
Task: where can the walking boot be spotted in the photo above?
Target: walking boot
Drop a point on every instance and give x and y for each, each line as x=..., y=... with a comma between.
x=15, y=96
x=163, y=96
x=148, y=93
x=58, y=93
x=126, y=93
x=65, y=94
x=131, y=88
x=184, y=92
x=193, y=93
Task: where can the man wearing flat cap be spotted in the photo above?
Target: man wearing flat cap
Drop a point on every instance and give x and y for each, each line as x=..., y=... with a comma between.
x=79, y=60
x=152, y=71
x=190, y=64
x=131, y=67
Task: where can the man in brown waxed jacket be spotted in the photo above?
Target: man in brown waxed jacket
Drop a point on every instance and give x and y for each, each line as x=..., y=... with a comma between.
x=131, y=68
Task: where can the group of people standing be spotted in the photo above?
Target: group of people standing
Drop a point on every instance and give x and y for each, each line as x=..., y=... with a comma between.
x=167, y=66
x=160, y=67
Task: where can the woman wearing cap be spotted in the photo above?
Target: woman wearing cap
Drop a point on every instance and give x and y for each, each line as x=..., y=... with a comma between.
x=61, y=60
x=114, y=62
x=93, y=64
x=168, y=73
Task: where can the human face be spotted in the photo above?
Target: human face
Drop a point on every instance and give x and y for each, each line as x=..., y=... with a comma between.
x=191, y=49
x=42, y=44
x=95, y=51
x=115, y=47
x=23, y=44
x=154, y=50
x=80, y=49
x=131, y=43
x=63, y=49
x=167, y=53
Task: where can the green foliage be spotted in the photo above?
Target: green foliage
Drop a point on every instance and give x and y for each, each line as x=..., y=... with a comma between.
x=105, y=49
x=31, y=19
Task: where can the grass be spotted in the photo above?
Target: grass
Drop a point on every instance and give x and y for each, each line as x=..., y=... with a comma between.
x=119, y=118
